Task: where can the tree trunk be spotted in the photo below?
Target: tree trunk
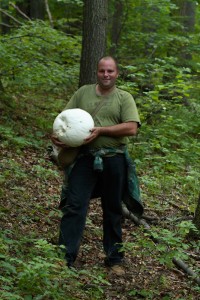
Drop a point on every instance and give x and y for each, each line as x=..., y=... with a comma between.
x=1, y=87
x=24, y=7
x=94, y=39
x=197, y=215
x=196, y=222
x=187, y=13
x=116, y=26
x=150, y=27
x=37, y=9
x=5, y=20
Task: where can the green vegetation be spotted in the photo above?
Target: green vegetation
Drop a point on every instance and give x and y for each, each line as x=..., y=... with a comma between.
x=38, y=57
x=39, y=69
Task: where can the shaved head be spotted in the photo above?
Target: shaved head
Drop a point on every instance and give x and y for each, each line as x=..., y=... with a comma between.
x=108, y=58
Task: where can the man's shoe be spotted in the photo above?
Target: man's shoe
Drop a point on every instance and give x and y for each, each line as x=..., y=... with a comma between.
x=117, y=270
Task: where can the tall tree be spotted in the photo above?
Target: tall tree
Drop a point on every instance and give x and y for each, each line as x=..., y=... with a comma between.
x=35, y=9
x=187, y=13
x=5, y=20
x=196, y=221
x=94, y=38
x=116, y=26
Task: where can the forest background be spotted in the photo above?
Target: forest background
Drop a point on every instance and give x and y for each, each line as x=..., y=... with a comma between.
x=157, y=45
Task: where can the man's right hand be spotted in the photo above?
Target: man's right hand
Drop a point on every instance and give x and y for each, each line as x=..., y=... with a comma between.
x=58, y=143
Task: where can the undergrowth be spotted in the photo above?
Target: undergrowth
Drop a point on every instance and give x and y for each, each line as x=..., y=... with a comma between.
x=166, y=152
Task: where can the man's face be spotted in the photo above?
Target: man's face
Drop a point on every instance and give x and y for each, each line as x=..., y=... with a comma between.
x=107, y=73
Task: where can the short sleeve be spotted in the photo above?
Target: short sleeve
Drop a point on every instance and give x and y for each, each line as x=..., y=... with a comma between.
x=129, y=111
x=74, y=101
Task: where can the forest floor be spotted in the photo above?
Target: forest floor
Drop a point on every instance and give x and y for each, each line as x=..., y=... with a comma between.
x=30, y=194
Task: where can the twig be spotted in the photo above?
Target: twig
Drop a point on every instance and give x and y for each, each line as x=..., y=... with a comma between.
x=179, y=263
x=7, y=25
x=156, y=219
x=149, y=218
x=49, y=13
x=177, y=206
x=26, y=35
x=8, y=15
x=129, y=215
x=19, y=10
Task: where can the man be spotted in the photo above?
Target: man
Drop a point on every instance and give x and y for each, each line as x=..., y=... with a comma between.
x=114, y=122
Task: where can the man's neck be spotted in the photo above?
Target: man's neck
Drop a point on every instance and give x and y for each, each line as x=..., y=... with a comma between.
x=103, y=92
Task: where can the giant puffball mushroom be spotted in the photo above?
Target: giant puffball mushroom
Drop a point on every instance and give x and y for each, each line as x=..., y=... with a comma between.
x=72, y=126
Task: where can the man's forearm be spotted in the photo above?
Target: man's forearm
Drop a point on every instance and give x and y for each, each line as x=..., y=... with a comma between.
x=123, y=129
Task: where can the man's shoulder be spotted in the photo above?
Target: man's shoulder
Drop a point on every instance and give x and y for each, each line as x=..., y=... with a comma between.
x=123, y=93
x=84, y=90
x=87, y=87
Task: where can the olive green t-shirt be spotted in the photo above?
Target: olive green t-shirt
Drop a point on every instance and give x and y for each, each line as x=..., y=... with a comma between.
x=118, y=107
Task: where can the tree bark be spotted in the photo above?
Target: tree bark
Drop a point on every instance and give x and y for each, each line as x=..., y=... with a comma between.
x=196, y=221
x=37, y=9
x=49, y=12
x=1, y=87
x=94, y=39
x=116, y=26
x=197, y=215
x=187, y=13
x=5, y=20
x=24, y=7
x=149, y=27
x=34, y=9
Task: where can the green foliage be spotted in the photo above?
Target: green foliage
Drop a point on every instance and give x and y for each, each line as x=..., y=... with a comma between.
x=10, y=138
x=39, y=71
x=154, y=29
x=34, y=269
x=142, y=293
x=162, y=244
x=167, y=143
x=25, y=124
x=11, y=168
x=35, y=56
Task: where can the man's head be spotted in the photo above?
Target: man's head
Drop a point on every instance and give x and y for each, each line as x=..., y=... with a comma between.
x=107, y=72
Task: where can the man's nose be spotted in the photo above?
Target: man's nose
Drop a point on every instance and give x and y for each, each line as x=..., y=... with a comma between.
x=106, y=73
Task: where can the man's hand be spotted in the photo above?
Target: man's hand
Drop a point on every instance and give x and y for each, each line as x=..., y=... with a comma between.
x=118, y=130
x=95, y=132
x=58, y=143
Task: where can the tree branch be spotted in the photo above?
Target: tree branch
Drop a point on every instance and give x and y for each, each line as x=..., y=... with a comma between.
x=26, y=35
x=8, y=15
x=7, y=25
x=19, y=10
x=179, y=263
x=49, y=13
